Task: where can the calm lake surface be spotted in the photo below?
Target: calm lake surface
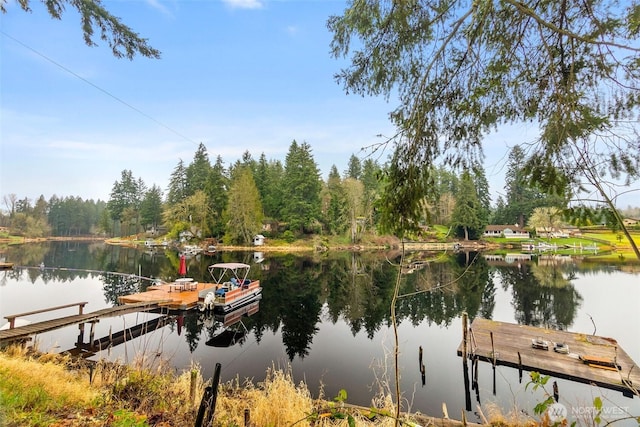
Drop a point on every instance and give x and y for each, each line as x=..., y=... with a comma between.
x=326, y=317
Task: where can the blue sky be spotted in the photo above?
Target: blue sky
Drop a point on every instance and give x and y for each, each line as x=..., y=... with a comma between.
x=236, y=75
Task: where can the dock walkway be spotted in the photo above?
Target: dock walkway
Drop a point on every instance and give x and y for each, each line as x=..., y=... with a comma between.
x=23, y=332
x=511, y=345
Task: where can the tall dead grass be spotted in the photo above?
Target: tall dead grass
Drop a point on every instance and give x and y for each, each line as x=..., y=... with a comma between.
x=160, y=396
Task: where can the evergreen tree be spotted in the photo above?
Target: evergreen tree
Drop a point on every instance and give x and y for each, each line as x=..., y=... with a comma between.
x=467, y=216
x=482, y=190
x=498, y=214
x=302, y=186
x=354, y=169
x=177, y=190
x=334, y=203
x=261, y=174
x=270, y=183
x=371, y=182
x=122, y=40
x=151, y=208
x=522, y=196
x=217, y=195
x=125, y=195
x=198, y=172
x=41, y=208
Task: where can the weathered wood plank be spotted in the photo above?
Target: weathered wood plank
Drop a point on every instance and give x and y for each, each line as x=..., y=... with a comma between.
x=513, y=347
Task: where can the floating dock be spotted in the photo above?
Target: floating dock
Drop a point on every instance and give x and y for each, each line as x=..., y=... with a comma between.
x=169, y=295
x=590, y=359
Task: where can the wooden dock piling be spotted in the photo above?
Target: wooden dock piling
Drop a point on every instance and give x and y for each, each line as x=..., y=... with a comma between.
x=465, y=329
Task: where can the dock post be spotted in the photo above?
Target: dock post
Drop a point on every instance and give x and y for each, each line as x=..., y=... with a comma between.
x=465, y=368
x=474, y=364
x=493, y=350
x=465, y=320
x=467, y=392
x=493, y=355
x=247, y=417
x=92, y=334
x=519, y=368
x=193, y=385
x=475, y=378
x=80, y=334
x=421, y=366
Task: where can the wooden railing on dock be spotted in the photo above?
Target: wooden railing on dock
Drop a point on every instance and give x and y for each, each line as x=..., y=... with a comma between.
x=12, y=318
x=23, y=332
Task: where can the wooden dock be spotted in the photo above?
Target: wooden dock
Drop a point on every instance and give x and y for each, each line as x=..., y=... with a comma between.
x=511, y=345
x=168, y=295
x=24, y=332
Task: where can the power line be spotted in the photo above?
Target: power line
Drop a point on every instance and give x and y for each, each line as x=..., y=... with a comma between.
x=106, y=92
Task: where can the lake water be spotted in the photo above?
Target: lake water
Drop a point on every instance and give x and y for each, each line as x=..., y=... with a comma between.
x=327, y=318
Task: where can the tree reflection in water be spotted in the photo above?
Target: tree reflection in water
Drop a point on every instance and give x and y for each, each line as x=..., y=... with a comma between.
x=302, y=291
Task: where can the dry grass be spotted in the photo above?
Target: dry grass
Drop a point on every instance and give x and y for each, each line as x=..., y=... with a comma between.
x=49, y=389
x=278, y=401
x=51, y=377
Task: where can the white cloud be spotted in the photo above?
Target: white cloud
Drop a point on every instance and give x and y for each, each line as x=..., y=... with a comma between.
x=159, y=6
x=244, y=4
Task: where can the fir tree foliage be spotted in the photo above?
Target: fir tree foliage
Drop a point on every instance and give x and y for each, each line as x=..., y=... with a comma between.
x=124, y=201
x=122, y=40
x=354, y=169
x=198, y=172
x=177, y=190
x=334, y=203
x=467, y=219
x=151, y=208
x=301, y=189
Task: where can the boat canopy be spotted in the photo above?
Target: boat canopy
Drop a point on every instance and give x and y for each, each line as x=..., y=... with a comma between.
x=226, y=270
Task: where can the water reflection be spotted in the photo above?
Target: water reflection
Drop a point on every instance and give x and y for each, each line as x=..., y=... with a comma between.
x=356, y=287
x=543, y=294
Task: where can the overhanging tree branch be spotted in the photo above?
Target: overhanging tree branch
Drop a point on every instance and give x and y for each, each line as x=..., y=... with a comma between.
x=122, y=40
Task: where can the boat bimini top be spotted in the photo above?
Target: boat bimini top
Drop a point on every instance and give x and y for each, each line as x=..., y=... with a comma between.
x=227, y=270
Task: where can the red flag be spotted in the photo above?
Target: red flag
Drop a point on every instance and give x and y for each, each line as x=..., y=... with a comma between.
x=182, y=271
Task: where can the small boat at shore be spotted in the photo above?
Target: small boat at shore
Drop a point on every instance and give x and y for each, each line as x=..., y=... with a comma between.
x=232, y=288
